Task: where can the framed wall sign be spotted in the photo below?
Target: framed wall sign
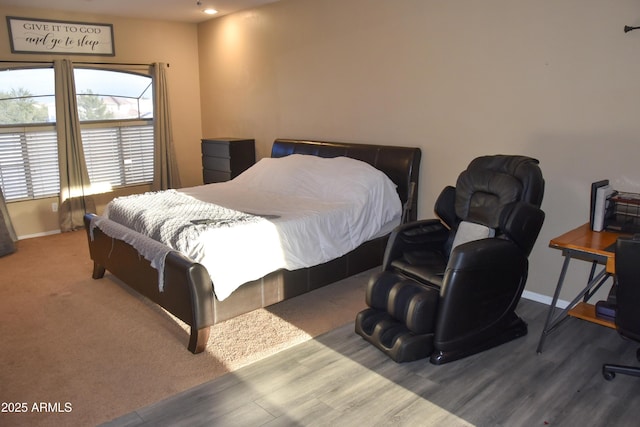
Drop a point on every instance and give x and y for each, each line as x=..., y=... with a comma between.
x=65, y=37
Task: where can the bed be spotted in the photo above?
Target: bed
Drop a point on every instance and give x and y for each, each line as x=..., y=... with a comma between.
x=184, y=287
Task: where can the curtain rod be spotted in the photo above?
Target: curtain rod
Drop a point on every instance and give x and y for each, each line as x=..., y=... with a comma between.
x=79, y=62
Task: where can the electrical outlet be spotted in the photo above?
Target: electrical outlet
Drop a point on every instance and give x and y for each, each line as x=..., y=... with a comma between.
x=54, y=207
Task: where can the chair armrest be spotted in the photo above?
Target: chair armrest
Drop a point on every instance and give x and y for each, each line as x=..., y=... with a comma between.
x=482, y=284
x=491, y=254
x=416, y=235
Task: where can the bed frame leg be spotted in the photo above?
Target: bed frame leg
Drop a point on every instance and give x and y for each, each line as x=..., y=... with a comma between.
x=198, y=339
x=98, y=271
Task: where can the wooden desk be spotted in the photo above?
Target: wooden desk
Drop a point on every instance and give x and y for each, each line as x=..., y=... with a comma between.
x=587, y=245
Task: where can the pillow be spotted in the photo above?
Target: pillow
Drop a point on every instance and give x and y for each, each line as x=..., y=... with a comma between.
x=470, y=231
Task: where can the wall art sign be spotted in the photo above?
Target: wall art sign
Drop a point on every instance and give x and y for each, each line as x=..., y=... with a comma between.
x=64, y=37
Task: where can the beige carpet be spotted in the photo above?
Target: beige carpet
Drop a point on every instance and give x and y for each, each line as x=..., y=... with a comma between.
x=78, y=352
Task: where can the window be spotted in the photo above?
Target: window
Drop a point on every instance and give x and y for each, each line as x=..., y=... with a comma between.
x=28, y=141
x=27, y=96
x=115, y=110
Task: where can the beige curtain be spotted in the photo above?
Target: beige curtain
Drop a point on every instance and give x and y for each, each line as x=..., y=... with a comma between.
x=7, y=233
x=75, y=198
x=165, y=169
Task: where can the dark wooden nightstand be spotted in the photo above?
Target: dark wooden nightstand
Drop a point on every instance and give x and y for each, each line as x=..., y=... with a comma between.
x=225, y=158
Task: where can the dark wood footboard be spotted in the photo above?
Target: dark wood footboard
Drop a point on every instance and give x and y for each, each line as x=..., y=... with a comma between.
x=188, y=293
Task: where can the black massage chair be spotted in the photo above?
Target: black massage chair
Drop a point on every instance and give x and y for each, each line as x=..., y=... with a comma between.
x=449, y=287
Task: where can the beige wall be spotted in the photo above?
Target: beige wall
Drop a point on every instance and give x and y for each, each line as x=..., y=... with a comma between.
x=559, y=81
x=554, y=80
x=136, y=41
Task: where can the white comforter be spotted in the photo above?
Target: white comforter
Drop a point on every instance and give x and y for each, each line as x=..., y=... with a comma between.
x=313, y=210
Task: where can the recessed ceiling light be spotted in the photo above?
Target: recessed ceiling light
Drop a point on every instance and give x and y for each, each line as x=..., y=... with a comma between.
x=207, y=10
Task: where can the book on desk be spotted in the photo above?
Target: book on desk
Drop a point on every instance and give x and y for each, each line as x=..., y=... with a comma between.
x=613, y=210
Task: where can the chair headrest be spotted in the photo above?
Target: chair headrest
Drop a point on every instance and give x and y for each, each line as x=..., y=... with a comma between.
x=491, y=182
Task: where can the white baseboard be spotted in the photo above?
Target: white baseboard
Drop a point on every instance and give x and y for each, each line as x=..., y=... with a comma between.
x=31, y=236
x=533, y=296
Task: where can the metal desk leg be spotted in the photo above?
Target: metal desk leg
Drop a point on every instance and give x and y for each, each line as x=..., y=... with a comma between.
x=551, y=324
x=556, y=294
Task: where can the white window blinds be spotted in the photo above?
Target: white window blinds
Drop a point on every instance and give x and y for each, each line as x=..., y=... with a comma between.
x=119, y=156
x=29, y=163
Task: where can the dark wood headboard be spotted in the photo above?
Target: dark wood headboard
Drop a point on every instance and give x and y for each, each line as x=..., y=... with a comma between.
x=400, y=164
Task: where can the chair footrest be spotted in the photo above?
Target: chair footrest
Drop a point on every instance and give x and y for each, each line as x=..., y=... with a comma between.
x=405, y=300
x=392, y=337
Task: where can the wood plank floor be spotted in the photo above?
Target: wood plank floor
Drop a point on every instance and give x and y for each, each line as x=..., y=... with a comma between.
x=340, y=380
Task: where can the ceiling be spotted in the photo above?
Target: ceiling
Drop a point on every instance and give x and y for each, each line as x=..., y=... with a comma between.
x=168, y=10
